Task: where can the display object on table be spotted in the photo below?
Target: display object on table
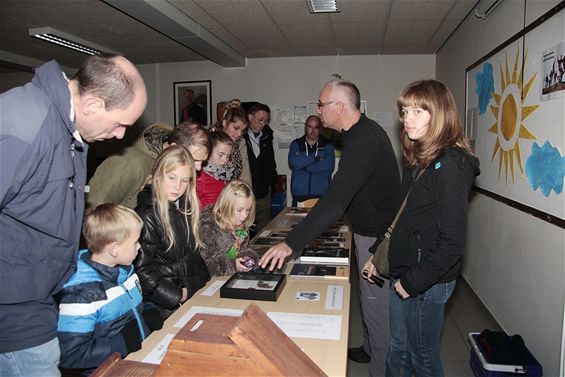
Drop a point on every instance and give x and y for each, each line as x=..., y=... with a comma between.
x=319, y=271
x=324, y=255
x=253, y=286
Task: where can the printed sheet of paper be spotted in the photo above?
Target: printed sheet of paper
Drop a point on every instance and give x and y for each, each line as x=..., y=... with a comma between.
x=334, y=297
x=213, y=288
x=206, y=310
x=313, y=326
x=295, y=325
x=158, y=353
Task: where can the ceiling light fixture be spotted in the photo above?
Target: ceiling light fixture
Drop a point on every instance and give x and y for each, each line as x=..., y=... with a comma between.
x=323, y=6
x=60, y=38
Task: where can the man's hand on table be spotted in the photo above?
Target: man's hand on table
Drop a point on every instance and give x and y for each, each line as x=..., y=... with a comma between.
x=276, y=256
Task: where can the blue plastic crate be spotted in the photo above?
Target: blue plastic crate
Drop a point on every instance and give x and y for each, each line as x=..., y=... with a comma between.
x=482, y=368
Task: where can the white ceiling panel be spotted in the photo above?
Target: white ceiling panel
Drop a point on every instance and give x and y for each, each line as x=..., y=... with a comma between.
x=253, y=28
x=418, y=10
x=358, y=34
x=409, y=32
x=309, y=35
x=316, y=51
x=236, y=12
x=293, y=12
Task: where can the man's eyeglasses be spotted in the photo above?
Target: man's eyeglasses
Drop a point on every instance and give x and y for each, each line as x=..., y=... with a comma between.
x=262, y=121
x=322, y=104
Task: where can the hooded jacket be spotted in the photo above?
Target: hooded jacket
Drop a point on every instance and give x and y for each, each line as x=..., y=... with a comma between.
x=163, y=273
x=96, y=304
x=42, y=178
x=217, y=243
x=311, y=166
x=121, y=177
x=428, y=240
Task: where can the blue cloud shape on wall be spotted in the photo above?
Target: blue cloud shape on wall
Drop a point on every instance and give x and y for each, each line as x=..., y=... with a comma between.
x=545, y=168
x=484, y=86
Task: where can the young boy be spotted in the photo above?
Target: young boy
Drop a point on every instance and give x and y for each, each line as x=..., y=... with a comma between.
x=101, y=309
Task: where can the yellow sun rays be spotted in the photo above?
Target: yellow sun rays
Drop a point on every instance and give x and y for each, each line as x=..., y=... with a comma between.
x=510, y=112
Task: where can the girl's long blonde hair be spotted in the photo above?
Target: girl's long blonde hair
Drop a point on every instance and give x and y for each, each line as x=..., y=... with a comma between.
x=224, y=208
x=445, y=129
x=170, y=159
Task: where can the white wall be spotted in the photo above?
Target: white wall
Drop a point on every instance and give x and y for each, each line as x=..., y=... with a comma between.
x=514, y=261
x=288, y=82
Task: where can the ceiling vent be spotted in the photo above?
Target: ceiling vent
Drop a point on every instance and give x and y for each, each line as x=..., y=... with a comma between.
x=323, y=6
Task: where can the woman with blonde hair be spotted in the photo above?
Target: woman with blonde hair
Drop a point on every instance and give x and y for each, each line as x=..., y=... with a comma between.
x=225, y=230
x=169, y=265
x=428, y=240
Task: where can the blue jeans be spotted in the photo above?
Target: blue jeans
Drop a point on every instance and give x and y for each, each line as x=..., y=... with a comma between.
x=415, y=330
x=39, y=361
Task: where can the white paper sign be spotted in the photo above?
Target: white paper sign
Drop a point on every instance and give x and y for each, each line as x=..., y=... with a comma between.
x=334, y=297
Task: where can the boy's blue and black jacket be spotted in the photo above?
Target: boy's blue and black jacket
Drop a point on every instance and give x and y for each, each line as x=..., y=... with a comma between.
x=96, y=303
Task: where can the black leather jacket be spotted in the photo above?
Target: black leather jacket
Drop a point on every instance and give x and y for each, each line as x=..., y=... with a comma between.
x=163, y=273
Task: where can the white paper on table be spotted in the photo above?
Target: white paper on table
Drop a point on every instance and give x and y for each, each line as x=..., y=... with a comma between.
x=284, y=223
x=206, y=310
x=344, y=228
x=334, y=297
x=313, y=326
x=158, y=353
x=213, y=288
x=265, y=233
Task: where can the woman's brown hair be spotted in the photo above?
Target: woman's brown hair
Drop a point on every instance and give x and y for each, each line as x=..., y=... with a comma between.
x=445, y=128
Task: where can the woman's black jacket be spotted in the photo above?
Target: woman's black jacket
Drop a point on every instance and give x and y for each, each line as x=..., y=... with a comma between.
x=163, y=273
x=428, y=241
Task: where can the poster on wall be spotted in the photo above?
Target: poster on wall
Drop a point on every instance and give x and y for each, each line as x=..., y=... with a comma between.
x=517, y=130
x=553, y=72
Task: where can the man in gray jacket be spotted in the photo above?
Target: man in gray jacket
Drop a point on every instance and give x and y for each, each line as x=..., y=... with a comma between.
x=44, y=128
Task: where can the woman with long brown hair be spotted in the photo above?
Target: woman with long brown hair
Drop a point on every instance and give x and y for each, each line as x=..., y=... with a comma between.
x=427, y=243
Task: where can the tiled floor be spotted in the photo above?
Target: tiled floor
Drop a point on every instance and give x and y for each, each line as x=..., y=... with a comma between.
x=464, y=313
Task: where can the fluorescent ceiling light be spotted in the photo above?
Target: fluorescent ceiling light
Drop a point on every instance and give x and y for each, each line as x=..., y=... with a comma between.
x=68, y=40
x=323, y=6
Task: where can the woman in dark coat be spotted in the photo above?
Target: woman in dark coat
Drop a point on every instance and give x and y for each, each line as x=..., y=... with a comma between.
x=428, y=241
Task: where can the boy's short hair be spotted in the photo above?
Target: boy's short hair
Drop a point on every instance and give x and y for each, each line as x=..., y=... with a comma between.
x=109, y=223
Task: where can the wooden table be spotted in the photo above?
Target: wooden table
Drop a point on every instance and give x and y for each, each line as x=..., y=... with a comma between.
x=329, y=355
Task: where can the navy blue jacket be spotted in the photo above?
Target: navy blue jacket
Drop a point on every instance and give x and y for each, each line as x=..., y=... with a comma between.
x=311, y=166
x=96, y=304
x=42, y=178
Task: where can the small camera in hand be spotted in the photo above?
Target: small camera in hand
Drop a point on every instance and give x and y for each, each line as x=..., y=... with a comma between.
x=248, y=262
x=374, y=279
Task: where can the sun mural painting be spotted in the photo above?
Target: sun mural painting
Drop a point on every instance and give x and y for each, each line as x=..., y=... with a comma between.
x=510, y=112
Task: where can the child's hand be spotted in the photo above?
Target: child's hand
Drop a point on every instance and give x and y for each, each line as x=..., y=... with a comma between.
x=184, y=295
x=244, y=264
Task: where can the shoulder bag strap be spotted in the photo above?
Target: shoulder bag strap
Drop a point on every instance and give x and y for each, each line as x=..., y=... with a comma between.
x=391, y=227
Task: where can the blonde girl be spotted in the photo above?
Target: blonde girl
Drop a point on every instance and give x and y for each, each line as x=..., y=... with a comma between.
x=225, y=231
x=169, y=265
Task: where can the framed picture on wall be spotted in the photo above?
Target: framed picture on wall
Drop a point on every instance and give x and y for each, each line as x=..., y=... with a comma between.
x=193, y=101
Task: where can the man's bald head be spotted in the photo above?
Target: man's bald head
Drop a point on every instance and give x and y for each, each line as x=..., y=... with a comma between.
x=346, y=91
x=112, y=78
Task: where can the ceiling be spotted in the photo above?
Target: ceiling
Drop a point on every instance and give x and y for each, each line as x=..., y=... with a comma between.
x=238, y=29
